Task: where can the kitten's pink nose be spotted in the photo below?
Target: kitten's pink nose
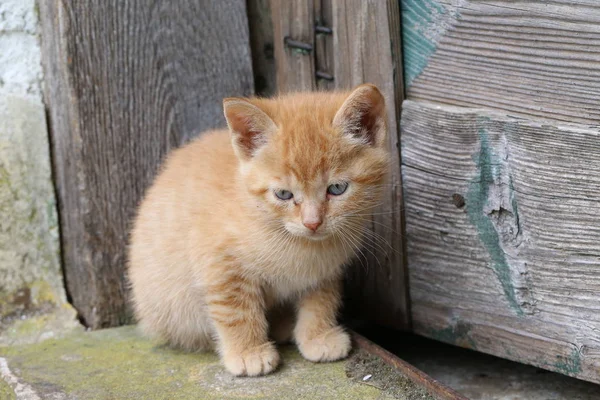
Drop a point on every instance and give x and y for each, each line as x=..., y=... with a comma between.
x=313, y=226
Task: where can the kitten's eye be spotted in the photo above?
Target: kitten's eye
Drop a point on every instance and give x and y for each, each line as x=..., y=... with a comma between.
x=284, y=194
x=337, y=188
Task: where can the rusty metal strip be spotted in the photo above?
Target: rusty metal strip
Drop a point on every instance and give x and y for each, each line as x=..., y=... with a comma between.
x=435, y=388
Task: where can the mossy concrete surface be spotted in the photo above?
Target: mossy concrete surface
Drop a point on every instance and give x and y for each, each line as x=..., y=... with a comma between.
x=27, y=328
x=120, y=364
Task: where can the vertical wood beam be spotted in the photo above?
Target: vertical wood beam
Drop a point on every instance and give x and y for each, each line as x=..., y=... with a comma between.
x=293, y=23
x=125, y=83
x=324, y=61
x=366, y=49
x=260, y=23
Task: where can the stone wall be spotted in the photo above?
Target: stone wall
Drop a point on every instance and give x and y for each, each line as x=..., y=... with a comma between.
x=32, y=296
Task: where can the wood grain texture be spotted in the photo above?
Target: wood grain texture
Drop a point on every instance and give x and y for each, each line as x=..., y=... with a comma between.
x=295, y=67
x=324, y=56
x=363, y=32
x=262, y=45
x=536, y=58
x=126, y=82
x=502, y=235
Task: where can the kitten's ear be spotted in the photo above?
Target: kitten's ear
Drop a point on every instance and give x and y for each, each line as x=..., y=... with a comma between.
x=249, y=125
x=363, y=117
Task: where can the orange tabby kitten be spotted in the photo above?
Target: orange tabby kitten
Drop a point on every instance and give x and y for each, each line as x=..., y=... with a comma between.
x=243, y=236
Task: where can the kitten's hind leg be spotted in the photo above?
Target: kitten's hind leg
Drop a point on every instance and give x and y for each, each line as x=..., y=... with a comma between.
x=237, y=308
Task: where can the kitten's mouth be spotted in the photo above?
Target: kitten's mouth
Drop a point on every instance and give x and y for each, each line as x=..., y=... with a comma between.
x=312, y=236
x=316, y=236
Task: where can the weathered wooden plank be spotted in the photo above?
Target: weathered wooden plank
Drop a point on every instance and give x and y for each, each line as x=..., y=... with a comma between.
x=294, y=20
x=540, y=59
x=324, y=45
x=502, y=234
x=126, y=82
x=364, y=32
x=261, y=43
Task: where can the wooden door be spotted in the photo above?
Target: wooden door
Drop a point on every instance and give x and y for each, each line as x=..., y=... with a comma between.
x=501, y=173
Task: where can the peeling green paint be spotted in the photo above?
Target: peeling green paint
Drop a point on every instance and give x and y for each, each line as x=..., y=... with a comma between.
x=424, y=22
x=570, y=365
x=488, y=167
x=457, y=334
x=119, y=364
x=417, y=16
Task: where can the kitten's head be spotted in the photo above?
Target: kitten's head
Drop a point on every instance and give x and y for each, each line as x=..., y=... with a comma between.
x=315, y=162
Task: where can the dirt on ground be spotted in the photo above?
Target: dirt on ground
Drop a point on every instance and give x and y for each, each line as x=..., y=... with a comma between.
x=369, y=369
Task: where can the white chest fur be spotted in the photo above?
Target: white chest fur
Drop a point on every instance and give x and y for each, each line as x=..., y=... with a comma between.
x=295, y=268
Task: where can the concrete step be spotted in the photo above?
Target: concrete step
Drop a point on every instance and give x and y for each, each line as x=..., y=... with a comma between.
x=120, y=364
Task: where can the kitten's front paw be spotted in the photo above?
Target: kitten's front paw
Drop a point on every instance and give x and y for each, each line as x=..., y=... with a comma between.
x=330, y=346
x=259, y=360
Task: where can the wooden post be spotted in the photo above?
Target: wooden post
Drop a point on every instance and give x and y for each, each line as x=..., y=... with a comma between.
x=363, y=46
x=366, y=49
x=127, y=82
